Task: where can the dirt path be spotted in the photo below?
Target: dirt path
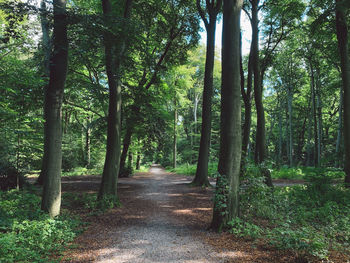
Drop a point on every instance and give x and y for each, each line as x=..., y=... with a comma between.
x=162, y=220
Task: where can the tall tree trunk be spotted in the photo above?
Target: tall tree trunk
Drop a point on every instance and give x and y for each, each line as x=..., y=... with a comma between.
x=247, y=99
x=175, y=133
x=280, y=134
x=309, y=135
x=138, y=160
x=88, y=141
x=290, y=120
x=51, y=200
x=319, y=122
x=201, y=178
x=126, y=145
x=113, y=56
x=230, y=132
x=342, y=36
x=46, y=43
x=339, y=132
x=260, y=142
x=313, y=97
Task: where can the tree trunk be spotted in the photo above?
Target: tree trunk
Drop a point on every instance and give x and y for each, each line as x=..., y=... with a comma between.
x=280, y=133
x=290, y=120
x=51, y=200
x=230, y=133
x=258, y=94
x=339, y=132
x=309, y=134
x=46, y=43
x=201, y=178
x=88, y=141
x=319, y=123
x=138, y=161
x=342, y=36
x=126, y=145
x=313, y=96
x=247, y=99
x=175, y=135
x=113, y=57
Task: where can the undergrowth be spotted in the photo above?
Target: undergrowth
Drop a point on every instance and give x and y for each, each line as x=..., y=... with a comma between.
x=190, y=169
x=310, y=219
x=29, y=235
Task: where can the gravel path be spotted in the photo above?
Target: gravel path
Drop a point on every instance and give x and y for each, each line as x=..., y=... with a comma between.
x=158, y=235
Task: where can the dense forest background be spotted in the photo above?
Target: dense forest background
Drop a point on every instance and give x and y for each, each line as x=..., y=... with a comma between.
x=113, y=88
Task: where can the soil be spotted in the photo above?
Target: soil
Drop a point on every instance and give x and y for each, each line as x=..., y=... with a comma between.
x=162, y=219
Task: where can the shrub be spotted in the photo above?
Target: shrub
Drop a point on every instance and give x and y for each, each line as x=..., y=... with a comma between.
x=29, y=235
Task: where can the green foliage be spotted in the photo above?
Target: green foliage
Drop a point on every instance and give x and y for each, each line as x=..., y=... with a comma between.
x=29, y=235
x=190, y=169
x=310, y=219
x=221, y=195
x=241, y=228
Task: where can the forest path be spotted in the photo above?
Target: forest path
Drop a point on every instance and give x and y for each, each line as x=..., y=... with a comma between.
x=163, y=219
x=158, y=234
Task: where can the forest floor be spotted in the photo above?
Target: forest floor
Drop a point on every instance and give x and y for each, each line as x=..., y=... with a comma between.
x=162, y=219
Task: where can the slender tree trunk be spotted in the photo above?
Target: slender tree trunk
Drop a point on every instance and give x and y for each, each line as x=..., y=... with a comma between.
x=175, y=134
x=309, y=135
x=342, y=36
x=201, y=177
x=280, y=133
x=113, y=56
x=51, y=200
x=230, y=132
x=126, y=145
x=313, y=97
x=46, y=43
x=290, y=123
x=260, y=142
x=247, y=99
x=88, y=141
x=138, y=161
x=339, y=132
x=319, y=123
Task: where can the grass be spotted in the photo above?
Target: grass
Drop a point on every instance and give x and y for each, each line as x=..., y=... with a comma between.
x=303, y=173
x=190, y=169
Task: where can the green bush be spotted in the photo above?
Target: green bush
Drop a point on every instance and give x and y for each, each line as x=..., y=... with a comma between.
x=309, y=219
x=29, y=235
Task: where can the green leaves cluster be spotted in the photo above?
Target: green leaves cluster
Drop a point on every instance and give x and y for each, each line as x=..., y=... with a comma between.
x=29, y=235
x=310, y=219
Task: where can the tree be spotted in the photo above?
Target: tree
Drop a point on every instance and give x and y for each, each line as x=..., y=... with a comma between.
x=343, y=46
x=114, y=50
x=213, y=7
x=226, y=203
x=51, y=200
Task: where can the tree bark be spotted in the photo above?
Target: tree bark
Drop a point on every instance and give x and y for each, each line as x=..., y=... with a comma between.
x=260, y=142
x=113, y=57
x=339, y=132
x=46, y=42
x=51, y=200
x=138, y=160
x=342, y=36
x=247, y=99
x=201, y=177
x=230, y=132
x=175, y=133
x=290, y=127
x=126, y=145
x=313, y=97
